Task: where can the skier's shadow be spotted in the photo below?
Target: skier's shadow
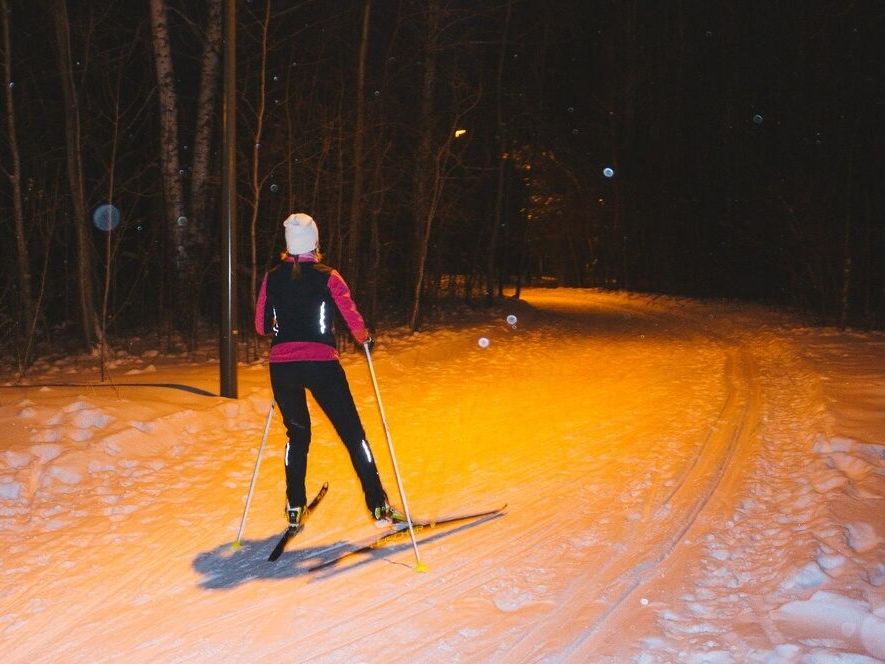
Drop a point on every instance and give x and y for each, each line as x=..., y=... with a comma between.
x=225, y=567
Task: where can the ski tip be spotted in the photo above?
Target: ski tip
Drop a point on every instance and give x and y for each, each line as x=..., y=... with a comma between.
x=420, y=567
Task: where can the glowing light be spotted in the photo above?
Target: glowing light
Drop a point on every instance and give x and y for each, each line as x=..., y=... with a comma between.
x=511, y=319
x=608, y=172
x=483, y=342
x=106, y=217
x=460, y=132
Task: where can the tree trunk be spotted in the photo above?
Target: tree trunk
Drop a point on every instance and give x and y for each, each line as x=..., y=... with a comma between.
x=340, y=195
x=424, y=241
x=178, y=258
x=256, y=157
x=493, y=267
x=207, y=111
x=845, y=303
x=109, y=253
x=356, y=221
x=424, y=169
x=85, y=282
x=24, y=262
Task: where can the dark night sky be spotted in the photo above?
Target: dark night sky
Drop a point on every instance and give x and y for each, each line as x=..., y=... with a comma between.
x=746, y=141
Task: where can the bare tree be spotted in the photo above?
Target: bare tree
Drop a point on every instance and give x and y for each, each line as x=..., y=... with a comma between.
x=85, y=282
x=356, y=221
x=427, y=169
x=435, y=155
x=207, y=111
x=256, y=181
x=185, y=217
x=109, y=222
x=173, y=192
x=15, y=179
x=492, y=268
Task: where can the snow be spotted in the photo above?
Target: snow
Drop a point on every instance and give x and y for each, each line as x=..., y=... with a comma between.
x=685, y=482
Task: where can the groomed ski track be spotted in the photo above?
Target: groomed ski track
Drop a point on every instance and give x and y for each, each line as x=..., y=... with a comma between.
x=648, y=513
x=670, y=509
x=635, y=445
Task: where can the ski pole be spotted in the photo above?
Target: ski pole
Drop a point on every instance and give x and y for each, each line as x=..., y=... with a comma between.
x=239, y=540
x=419, y=567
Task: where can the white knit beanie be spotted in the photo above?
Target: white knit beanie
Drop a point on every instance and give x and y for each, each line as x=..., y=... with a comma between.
x=301, y=233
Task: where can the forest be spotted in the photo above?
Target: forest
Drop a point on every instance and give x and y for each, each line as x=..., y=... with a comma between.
x=449, y=150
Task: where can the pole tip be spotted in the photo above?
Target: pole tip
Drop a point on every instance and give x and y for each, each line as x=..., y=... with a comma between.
x=236, y=545
x=420, y=567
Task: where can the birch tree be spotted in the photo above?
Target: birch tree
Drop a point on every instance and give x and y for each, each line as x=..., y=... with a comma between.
x=185, y=217
x=173, y=192
x=204, y=134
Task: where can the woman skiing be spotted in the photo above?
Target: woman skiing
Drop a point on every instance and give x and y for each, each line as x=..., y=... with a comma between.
x=296, y=303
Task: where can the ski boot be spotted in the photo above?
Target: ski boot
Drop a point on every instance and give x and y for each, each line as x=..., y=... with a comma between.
x=294, y=515
x=386, y=516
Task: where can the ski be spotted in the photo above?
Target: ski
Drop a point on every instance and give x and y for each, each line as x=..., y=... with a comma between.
x=400, y=531
x=291, y=531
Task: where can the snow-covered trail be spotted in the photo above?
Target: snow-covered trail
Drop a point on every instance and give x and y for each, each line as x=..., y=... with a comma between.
x=683, y=466
x=685, y=482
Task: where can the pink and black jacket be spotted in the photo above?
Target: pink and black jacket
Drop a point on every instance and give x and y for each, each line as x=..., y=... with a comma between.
x=300, y=312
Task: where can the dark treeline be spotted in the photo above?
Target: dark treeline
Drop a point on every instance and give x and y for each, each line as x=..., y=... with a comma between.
x=446, y=148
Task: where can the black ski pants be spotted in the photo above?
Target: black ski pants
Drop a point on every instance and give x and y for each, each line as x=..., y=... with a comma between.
x=328, y=385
